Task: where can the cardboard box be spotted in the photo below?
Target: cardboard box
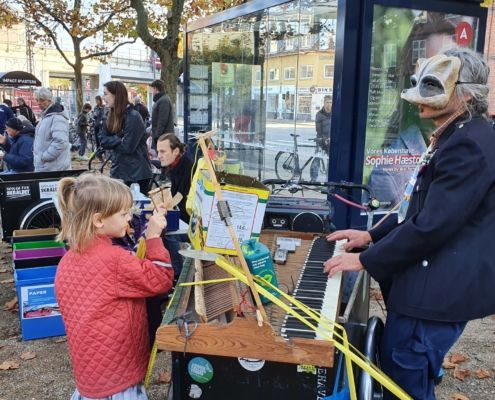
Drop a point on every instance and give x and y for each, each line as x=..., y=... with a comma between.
x=30, y=235
x=247, y=200
x=172, y=216
x=39, y=314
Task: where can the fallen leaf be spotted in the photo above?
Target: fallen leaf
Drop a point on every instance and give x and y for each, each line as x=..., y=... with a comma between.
x=28, y=355
x=60, y=340
x=3, y=270
x=458, y=396
x=7, y=281
x=447, y=364
x=10, y=305
x=376, y=294
x=457, y=358
x=461, y=374
x=482, y=373
x=165, y=377
x=9, y=365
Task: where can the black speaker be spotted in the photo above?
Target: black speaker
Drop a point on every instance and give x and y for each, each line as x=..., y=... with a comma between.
x=298, y=214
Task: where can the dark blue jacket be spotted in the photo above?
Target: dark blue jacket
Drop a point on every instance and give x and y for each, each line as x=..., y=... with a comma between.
x=441, y=259
x=5, y=114
x=19, y=157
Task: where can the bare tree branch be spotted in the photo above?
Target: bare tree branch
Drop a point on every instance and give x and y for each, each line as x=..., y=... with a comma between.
x=107, y=52
x=53, y=37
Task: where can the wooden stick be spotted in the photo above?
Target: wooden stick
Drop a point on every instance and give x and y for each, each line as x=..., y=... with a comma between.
x=154, y=204
x=162, y=190
x=260, y=312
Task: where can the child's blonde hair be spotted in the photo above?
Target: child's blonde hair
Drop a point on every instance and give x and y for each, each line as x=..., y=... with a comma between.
x=82, y=197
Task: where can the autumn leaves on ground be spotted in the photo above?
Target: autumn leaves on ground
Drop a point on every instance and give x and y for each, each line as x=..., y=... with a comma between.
x=41, y=370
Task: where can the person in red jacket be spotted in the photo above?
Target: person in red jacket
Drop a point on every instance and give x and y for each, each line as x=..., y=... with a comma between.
x=101, y=288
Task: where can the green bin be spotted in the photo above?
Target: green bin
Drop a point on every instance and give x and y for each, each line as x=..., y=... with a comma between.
x=39, y=244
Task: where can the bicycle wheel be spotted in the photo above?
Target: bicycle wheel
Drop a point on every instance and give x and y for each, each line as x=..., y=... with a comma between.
x=91, y=143
x=41, y=215
x=284, y=165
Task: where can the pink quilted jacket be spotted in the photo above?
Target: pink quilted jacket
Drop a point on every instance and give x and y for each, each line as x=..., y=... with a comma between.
x=101, y=294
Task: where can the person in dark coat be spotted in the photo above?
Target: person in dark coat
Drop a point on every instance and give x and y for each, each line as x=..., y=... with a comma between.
x=141, y=109
x=177, y=166
x=5, y=114
x=124, y=134
x=82, y=126
x=25, y=110
x=162, y=114
x=436, y=262
x=98, y=117
x=323, y=121
x=18, y=146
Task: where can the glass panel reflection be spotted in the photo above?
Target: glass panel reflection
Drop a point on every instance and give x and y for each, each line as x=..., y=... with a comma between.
x=261, y=82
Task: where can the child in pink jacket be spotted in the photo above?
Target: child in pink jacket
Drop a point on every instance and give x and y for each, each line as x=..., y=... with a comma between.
x=101, y=288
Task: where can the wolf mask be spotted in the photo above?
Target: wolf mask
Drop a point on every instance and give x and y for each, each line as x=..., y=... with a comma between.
x=434, y=81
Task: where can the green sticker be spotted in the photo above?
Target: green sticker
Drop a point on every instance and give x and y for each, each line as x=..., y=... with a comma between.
x=200, y=369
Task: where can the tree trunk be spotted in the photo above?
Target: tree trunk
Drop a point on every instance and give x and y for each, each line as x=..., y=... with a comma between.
x=79, y=86
x=170, y=73
x=78, y=67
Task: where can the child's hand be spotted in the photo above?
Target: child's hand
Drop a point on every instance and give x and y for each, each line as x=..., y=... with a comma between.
x=157, y=223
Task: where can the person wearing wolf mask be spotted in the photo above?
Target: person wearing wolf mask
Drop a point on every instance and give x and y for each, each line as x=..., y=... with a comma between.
x=436, y=265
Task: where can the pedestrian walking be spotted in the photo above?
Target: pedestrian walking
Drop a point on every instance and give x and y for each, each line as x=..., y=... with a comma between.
x=82, y=127
x=162, y=114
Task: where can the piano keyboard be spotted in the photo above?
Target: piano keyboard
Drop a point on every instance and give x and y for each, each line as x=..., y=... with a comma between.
x=315, y=289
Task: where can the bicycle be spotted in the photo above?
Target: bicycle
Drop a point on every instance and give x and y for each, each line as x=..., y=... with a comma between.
x=287, y=166
x=101, y=155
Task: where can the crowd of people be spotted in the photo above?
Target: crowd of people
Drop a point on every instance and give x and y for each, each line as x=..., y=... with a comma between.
x=52, y=144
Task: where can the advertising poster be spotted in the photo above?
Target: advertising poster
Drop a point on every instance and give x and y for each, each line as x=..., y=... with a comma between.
x=395, y=135
x=38, y=301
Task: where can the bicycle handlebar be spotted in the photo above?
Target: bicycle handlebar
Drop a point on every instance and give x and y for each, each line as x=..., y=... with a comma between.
x=294, y=186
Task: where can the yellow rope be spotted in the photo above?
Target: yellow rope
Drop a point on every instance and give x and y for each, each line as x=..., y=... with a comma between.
x=344, y=347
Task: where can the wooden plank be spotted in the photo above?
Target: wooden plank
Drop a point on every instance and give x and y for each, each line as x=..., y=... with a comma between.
x=244, y=338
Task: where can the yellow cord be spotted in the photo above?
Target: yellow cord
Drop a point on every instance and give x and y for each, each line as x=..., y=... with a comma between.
x=344, y=347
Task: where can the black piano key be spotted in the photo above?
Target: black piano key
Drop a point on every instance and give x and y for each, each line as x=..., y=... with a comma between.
x=312, y=303
x=308, y=293
x=309, y=334
x=315, y=285
x=295, y=324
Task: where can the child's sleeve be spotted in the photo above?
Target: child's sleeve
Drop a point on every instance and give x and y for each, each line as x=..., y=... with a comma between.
x=145, y=277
